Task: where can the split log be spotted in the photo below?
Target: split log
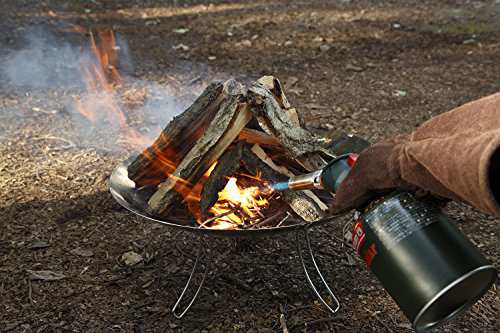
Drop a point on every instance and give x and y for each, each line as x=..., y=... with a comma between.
x=229, y=163
x=276, y=121
x=178, y=138
x=258, y=137
x=230, y=119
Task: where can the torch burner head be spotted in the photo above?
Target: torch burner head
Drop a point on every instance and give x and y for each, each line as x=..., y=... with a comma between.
x=308, y=181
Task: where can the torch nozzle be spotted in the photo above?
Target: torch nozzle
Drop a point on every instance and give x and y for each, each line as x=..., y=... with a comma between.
x=308, y=181
x=281, y=186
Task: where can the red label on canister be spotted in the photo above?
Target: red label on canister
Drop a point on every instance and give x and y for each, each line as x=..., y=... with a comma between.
x=370, y=254
x=358, y=237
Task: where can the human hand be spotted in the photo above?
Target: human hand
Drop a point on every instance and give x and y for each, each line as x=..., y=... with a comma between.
x=375, y=172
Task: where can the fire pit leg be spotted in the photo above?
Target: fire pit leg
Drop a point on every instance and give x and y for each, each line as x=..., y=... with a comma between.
x=336, y=305
x=199, y=259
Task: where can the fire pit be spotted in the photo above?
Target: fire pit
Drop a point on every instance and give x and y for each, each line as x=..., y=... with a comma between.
x=211, y=169
x=134, y=199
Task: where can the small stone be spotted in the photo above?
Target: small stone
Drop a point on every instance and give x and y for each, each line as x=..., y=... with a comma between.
x=181, y=30
x=131, y=258
x=396, y=26
x=318, y=39
x=246, y=43
x=400, y=93
x=39, y=244
x=324, y=47
x=181, y=47
x=229, y=33
x=254, y=37
x=288, y=43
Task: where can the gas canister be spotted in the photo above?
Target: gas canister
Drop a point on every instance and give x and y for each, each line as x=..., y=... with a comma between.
x=421, y=258
x=426, y=264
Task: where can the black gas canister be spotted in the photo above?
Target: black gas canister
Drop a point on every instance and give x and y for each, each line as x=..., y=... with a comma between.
x=427, y=265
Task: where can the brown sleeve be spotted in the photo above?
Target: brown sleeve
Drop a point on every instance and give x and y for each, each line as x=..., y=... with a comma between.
x=457, y=155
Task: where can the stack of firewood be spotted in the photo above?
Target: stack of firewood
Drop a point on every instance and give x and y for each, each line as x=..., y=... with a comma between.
x=254, y=128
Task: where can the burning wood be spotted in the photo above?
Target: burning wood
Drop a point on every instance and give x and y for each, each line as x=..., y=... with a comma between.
x=204, y=158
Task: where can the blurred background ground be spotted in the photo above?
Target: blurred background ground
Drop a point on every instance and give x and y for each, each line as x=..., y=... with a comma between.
x=375, y=68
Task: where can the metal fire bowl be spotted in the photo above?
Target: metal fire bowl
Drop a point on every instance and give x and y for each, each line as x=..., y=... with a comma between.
x=135, y=200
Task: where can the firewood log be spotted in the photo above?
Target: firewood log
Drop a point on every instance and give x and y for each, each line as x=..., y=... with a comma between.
x=177, y=139
x=231, y=117
x=229, y=163
x=303, y=145
x=258, y=137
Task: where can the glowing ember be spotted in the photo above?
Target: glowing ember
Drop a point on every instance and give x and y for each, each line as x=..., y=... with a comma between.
x=238, y=205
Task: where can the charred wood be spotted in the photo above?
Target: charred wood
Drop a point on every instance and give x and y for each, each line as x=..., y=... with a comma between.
x=230, y=119
x=177, y=139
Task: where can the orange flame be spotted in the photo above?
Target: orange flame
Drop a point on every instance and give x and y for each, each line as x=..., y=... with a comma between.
x=238, y=204
x=100, y=75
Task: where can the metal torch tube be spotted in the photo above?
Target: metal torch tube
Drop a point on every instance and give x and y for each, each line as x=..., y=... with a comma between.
x=309, y=181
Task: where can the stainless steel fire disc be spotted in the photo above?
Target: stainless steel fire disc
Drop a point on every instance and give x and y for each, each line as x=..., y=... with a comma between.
x=134, y=199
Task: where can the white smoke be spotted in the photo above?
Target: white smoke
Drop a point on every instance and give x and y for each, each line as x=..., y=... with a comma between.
x=49, y=63
x=44, y=62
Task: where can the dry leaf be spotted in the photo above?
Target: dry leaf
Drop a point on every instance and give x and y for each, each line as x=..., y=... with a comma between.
x=131, y=258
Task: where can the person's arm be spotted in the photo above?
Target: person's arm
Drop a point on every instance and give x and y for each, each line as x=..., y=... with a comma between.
x=455, y=155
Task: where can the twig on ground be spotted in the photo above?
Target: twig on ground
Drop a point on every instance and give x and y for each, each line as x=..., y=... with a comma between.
x=30, y=291
x=283, y=323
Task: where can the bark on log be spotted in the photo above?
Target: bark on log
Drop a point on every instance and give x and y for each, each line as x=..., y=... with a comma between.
x=275, y=121
x=178, y=137
x=231, y=118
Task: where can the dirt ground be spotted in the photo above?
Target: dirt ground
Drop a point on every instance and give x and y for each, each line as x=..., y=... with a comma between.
x=375, y=68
